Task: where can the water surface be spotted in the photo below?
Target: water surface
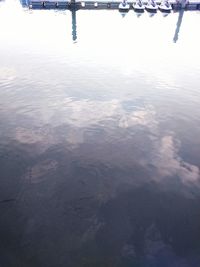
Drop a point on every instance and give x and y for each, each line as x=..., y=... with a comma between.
x=99, y=138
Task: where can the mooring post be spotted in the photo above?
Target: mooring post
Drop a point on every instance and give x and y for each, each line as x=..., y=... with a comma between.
x=183, y=3
x=72, y=3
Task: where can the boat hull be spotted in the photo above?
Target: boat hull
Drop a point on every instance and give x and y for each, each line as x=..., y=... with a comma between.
x=138, y=8
x=124, y=8
x=165, y=9
x=151, y=9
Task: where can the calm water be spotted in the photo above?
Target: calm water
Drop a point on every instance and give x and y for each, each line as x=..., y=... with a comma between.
x=99, y=138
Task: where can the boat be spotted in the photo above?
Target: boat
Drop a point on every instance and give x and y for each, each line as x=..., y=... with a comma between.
x=151, y=6
x=124, y=6
x=165, y=6
x=138, y=6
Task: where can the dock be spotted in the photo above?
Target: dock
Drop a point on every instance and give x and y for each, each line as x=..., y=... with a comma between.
x=104, y=4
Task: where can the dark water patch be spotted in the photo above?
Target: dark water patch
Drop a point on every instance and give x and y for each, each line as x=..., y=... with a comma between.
x=7, y=200
x=90, y=209
x=150, y=223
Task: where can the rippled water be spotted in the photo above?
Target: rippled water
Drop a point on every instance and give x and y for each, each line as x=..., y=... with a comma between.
x=99, y=138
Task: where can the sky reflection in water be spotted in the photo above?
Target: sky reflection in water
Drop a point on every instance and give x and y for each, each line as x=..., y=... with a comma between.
x=99, y=139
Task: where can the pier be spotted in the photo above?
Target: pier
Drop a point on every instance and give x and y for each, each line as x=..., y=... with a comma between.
x=104, y=4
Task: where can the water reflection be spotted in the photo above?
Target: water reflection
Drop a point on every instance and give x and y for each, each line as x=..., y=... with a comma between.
x=99, y=141
x=176, y=35
x=178, y=25
x=74, y=31
x=73, y=10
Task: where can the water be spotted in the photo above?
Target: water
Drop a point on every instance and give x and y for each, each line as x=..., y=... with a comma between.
x=99, y=138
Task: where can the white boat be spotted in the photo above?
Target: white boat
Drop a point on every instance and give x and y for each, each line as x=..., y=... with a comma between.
x=165, y=6
x=151, y=6
x=138, y=6
x=124, y=6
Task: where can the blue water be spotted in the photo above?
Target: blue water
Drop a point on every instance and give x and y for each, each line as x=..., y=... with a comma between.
x=99, y=138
